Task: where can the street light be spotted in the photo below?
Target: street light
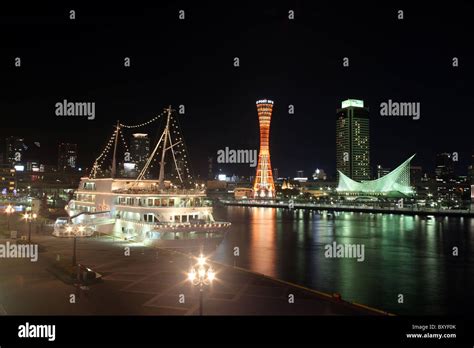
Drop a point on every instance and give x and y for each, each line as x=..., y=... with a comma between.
x=29, y=217
x=201, y=274
x=9, y=210
x=75, y=230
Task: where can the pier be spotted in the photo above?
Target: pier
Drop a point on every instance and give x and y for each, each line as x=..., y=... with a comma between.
x=352, y=208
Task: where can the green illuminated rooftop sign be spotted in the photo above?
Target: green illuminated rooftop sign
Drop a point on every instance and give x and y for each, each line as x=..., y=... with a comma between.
x=352, y=102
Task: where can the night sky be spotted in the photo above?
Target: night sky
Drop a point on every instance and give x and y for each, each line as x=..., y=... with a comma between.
x=190, y=62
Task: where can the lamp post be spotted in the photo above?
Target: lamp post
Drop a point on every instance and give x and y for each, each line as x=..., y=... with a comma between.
x=200, y=275
x=29, y=217
x=9, y=210
x=74, y=230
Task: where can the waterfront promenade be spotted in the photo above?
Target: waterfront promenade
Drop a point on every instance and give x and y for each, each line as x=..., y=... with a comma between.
x=354, y=208
x=148, y=282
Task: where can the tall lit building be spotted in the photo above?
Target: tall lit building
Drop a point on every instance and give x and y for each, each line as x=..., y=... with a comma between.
x=7, y=180
x=275, y=174
x=264, y=186
x=15, y=148
x=444, y=166
x=67, y=157
x=382, y=171
x=470, y=174
x=471, y=178
x=353, y=140
x=139, y=150
x=416, y=175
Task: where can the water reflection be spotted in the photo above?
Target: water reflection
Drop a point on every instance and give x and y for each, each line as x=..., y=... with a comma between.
x=406, y=255
x=262, y=246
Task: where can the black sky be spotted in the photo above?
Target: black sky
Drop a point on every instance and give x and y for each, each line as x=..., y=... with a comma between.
x=190, y=62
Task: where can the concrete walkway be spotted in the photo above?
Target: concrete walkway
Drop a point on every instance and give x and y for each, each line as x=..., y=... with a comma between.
x=148, y=282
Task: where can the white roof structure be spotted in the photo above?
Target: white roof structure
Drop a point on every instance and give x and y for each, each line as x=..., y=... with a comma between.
x=397, y=181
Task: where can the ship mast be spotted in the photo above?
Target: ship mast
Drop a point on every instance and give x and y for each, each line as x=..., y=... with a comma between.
x=161, y=179
x=114, y=159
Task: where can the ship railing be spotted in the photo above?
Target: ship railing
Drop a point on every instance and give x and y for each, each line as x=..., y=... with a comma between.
x=200, y=223
x=158, y=191
x=145, y=205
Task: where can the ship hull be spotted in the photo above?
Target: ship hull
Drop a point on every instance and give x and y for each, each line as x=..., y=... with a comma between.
x=138, y=211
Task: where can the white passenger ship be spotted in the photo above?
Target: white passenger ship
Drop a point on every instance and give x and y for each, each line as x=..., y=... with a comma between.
x=150, y=211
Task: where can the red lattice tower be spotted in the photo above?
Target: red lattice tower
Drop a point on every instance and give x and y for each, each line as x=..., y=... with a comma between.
x=264, y=186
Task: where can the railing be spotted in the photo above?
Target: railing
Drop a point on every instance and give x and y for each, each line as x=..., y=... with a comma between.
x=161, y=192
x=174, y=225
x=347, y=206
x=175, y=206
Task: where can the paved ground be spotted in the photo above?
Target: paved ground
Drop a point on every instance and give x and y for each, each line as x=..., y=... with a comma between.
x=148, y=282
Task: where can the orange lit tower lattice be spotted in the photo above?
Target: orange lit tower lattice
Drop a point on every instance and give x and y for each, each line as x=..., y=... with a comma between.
x=264, y=186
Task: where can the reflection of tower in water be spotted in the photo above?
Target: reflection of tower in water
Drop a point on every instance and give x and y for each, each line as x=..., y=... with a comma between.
x=262, y=248
x=264, y=187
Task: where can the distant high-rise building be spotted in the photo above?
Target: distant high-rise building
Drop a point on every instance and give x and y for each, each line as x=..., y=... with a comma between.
x=300, y=173
x=416, y=175
x=444, y=166
x=210, y=171
x=140, y=150
x=15, y=149
x=319, y=174
x=470, y=171
x=275, y=173
x=32, y=166
x=67, y=157
x=382, y=171
x=7, y=180
x=471, y=179
x=353, y=140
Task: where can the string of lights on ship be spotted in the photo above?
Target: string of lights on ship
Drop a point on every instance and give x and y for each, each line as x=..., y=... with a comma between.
x=99, y=161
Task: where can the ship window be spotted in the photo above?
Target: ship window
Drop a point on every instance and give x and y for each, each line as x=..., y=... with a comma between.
x=150, y=201
x=149, y=218
x=89, y=186
x=157, y=202
x=176, y=218
x=164, y=202
x=184, y=218
x=171, y=202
